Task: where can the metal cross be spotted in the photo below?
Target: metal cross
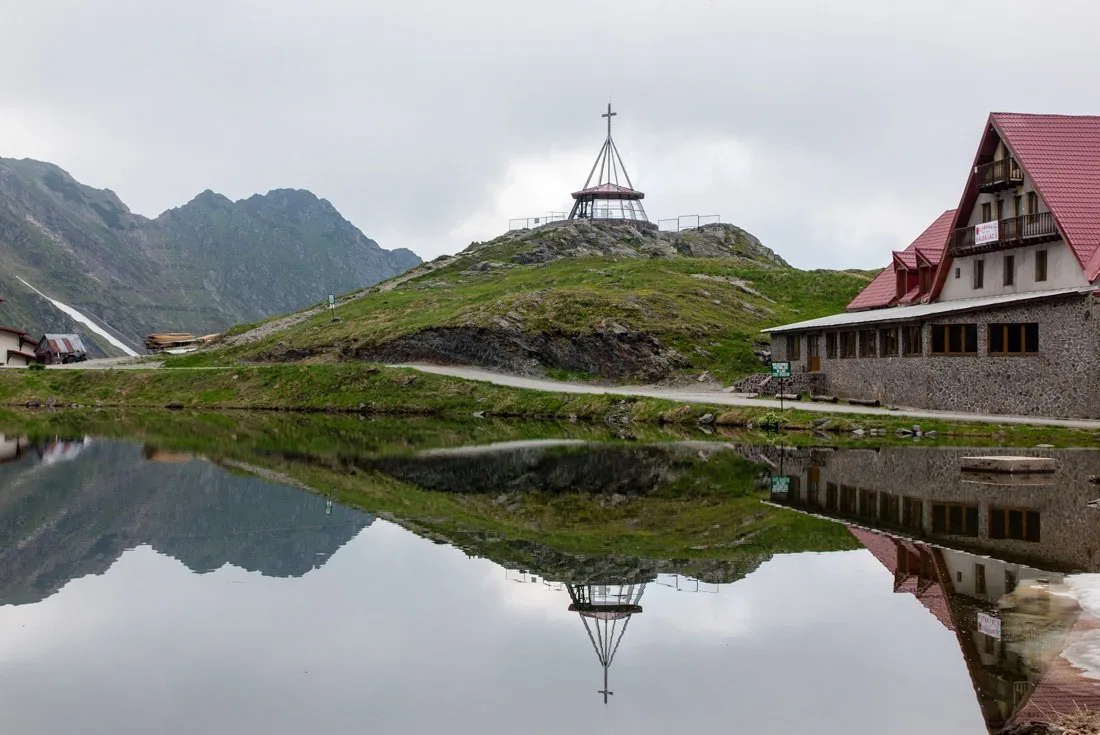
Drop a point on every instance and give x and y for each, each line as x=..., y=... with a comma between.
x=609, y=115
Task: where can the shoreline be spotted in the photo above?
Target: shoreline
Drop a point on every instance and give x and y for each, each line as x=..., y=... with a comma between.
x=363, y=388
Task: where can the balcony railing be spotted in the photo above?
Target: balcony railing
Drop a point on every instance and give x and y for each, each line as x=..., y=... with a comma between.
x=1028, y=229
x=1002, y=174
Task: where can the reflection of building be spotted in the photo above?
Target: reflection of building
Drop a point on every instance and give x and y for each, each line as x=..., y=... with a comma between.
x=1009, y=625
x=1043, y=520
x=605, y=610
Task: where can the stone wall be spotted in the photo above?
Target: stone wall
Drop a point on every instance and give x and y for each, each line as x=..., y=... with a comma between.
x=1062, y=380
x=1068, y=541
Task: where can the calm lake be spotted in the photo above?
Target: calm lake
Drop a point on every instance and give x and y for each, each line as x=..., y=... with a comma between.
x=214, y=577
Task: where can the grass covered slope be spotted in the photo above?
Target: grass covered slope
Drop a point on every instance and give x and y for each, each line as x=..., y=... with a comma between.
x=585, y=298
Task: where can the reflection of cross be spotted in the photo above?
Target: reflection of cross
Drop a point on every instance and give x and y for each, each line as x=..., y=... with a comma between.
x=609, y=115
x=604, y=691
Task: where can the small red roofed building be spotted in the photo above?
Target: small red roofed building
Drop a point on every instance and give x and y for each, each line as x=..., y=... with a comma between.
x=994, y=307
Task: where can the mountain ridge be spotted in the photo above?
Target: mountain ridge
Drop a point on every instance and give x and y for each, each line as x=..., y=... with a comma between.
x=200, y=267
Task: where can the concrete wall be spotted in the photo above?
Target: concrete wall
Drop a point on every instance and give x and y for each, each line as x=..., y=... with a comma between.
x=1063, y=271
x=1061, y=380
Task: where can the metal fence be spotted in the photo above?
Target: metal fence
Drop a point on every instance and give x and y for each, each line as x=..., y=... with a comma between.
x=671, y=224
x=526, y=223
x=687, y=222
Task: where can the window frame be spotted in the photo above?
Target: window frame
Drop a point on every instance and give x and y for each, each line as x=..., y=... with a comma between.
x=907, y=343
x=868, y=343
x=831, y=350
x=1004, y=330
x=1041, y=265
x=794, y=347
x=987, y=212
x=1008, y=276
x=947, y=329
x=1029, y=518
x=848, y=344
x=889, y=342
x=977, y=275
x=1032, y=203
x=944, y=525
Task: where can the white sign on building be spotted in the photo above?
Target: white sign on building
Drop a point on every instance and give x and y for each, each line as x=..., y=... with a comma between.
x=986, y=232
x=989, y=625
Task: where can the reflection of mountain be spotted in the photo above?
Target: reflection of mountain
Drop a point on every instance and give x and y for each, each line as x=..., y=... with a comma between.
x=65, y=520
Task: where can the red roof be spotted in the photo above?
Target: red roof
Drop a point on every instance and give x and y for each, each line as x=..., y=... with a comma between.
x=609, y=191
x=1061, y=156
x=9, y=330
x=931, y=243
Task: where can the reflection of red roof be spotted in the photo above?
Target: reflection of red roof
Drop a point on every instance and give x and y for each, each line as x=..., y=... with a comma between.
x=1063, y=689
x=930, y=244
x=885, y=549
x=1061, y=156
x=609, y=191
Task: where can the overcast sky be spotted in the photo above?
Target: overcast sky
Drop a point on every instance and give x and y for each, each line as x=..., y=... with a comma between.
x=833, y=131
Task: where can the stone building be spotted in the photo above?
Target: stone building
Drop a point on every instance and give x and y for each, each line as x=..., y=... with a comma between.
x=991, y=308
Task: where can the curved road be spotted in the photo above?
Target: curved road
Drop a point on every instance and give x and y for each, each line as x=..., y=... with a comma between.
x=734, y=399
x=672, y=394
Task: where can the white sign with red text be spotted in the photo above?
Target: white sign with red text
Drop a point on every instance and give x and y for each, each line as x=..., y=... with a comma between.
x=986, y=232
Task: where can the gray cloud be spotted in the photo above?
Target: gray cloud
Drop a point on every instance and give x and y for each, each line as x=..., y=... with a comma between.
x=835, y=132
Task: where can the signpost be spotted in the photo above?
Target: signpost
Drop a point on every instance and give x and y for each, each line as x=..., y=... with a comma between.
x=782, y=371
x=781, y=485
x=332, y=305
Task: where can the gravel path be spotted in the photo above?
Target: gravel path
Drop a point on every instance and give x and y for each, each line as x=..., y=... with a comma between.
x=734, y=399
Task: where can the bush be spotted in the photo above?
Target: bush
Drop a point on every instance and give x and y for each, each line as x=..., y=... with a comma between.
x=36, y=366
x=770, y=422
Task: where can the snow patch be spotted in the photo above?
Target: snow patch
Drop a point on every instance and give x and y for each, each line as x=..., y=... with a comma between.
x=1084, y=653
x=78, y=316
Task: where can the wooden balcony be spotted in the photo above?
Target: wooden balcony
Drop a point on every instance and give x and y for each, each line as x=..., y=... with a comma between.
x=999, y=175
x=1013, y=232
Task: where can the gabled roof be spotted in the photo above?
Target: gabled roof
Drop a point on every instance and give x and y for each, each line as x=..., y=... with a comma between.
x=876, y=294
x=61, y=344
x=1061, y=156
x=931, y=243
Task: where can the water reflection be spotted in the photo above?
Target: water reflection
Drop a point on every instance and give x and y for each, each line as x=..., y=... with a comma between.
x=979, y=552
x=959, y=592
x=71, y=508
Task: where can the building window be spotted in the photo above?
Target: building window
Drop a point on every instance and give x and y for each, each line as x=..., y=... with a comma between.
x=847, y=344
x=1032, y=203
x=867, y=343
x=1013, y=339
x=794, y=347
x=957, y=520
x=1010, y=270
x=1013, y=523
x=987, y=212
x=1018, y=205
x=979, y=273
x=911, y=341
x=979, y=579
x=954, y=339
x=830, y=496
x=1000, y=209
x=924, y=279
x=889, y=342
x=889, y=508
x=1040, y=265
x=830, y=345
x=912, y=513
x=958, y=273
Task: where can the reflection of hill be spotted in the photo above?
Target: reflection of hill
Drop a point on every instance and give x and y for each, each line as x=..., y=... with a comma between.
x=585, y=468
x=66, y=520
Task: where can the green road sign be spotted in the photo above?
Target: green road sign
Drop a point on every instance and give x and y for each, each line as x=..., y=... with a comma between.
x=781, y=485
x=781, y=370
x=331, y=300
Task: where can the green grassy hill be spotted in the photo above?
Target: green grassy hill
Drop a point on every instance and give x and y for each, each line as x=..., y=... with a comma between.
x=606, y=301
